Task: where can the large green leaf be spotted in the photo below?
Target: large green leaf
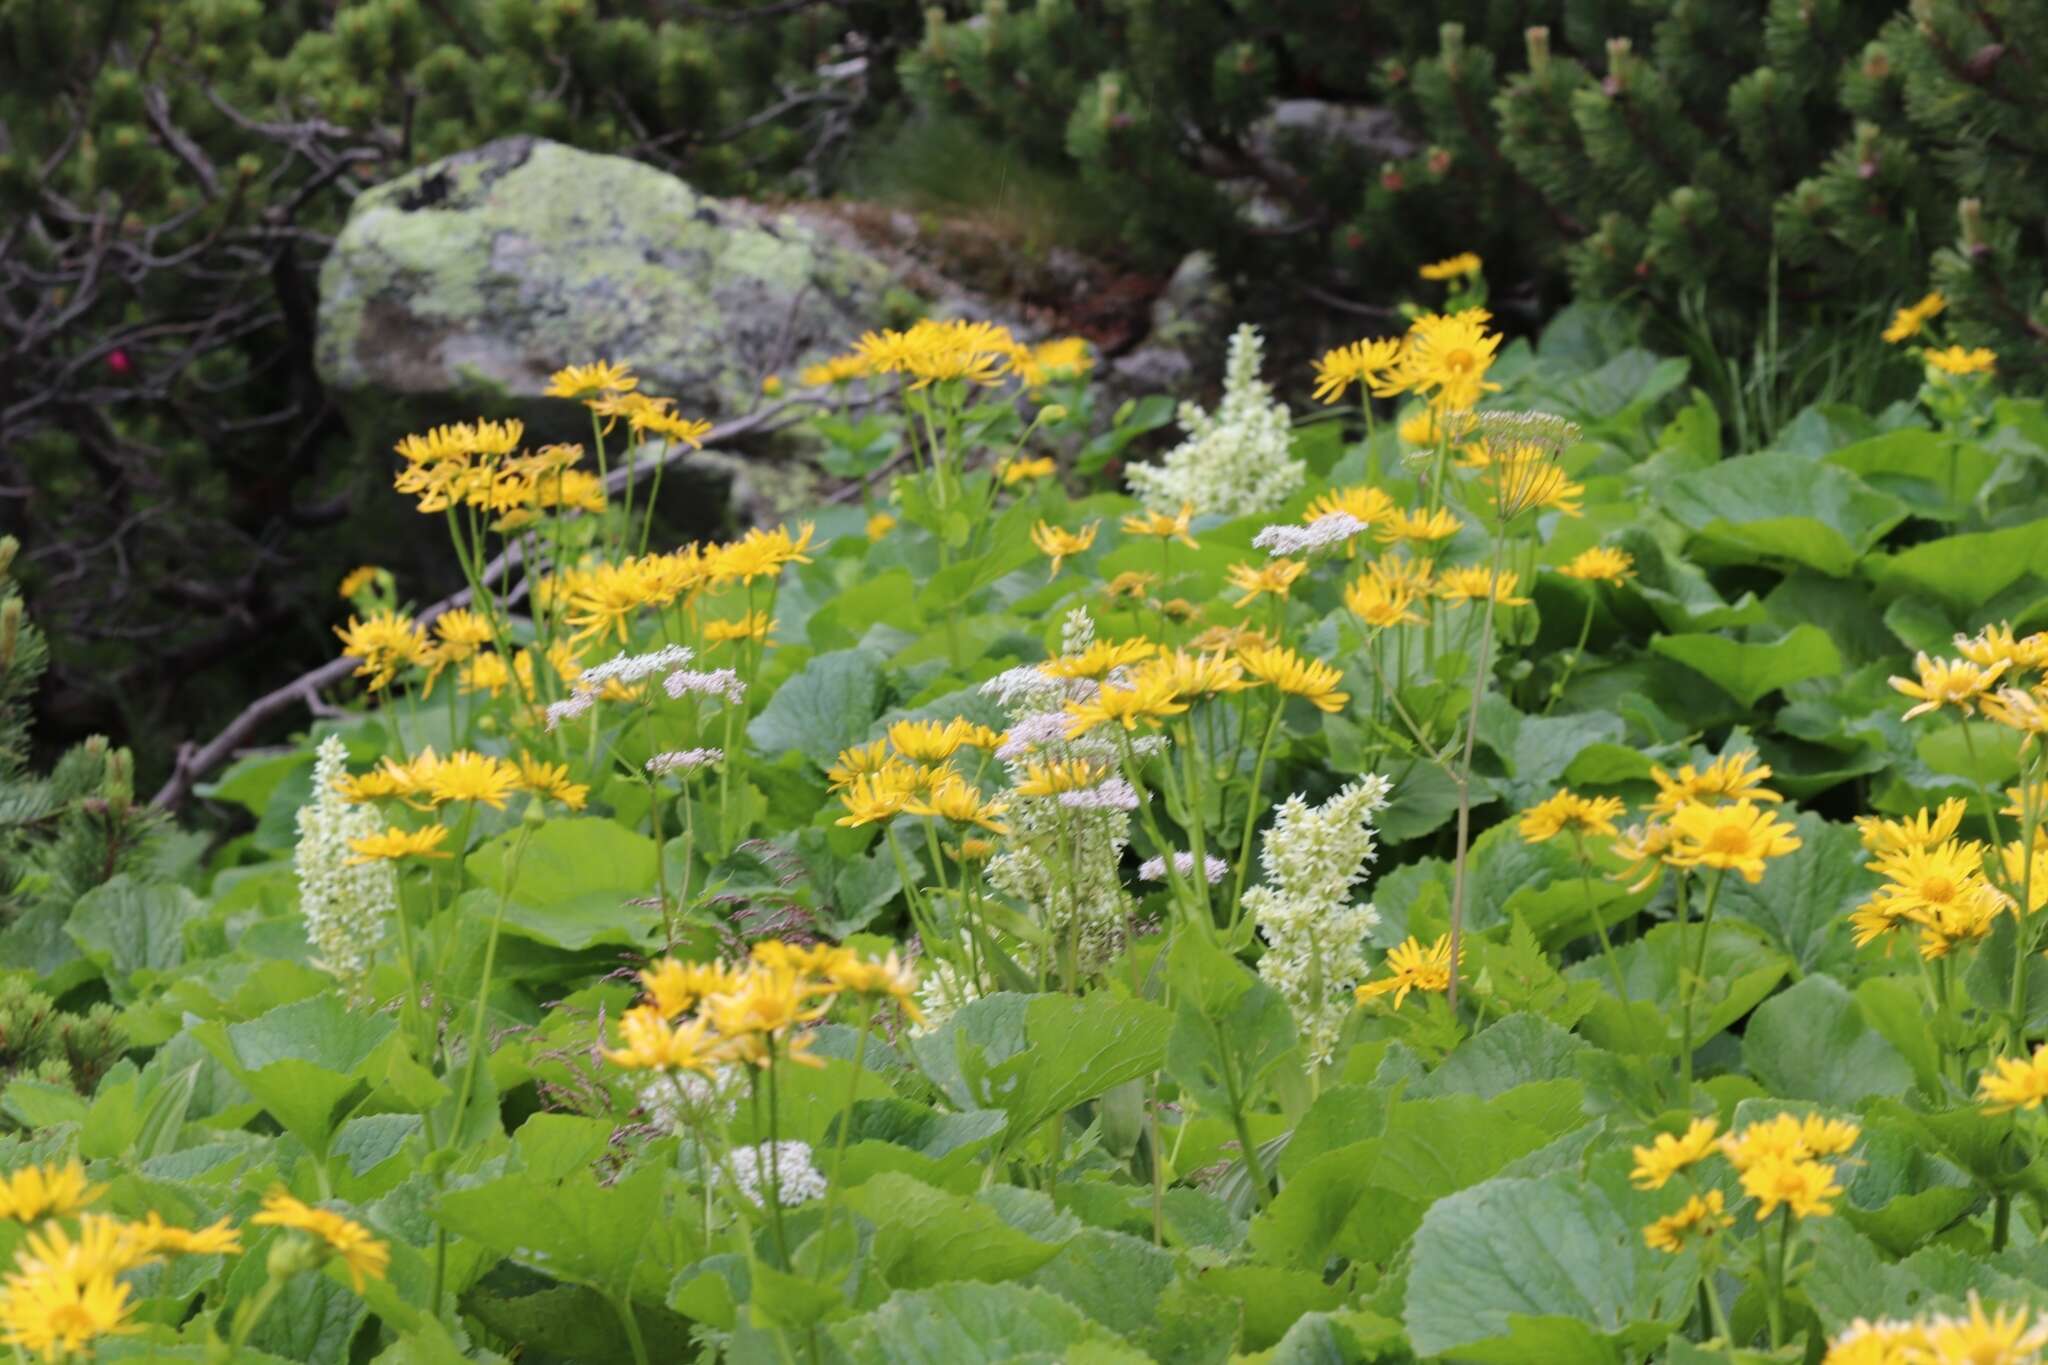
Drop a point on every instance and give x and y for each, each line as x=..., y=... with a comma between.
x=824, y=708
x=1967, y=570
x=571, y=886
x=1553, y=1247
x=1039, y=1055
x=304, y=1061
x=1781, y=508
x=961, y=1322
x=625, y=1237
x=1113, y=1277
x=1229, y=1028
x=1938, y=474
x=1812, y=1043
x=925, y=1236
x=126, y=927
x=1505, y=1054
x=1749, y=672
x=1362, y=1200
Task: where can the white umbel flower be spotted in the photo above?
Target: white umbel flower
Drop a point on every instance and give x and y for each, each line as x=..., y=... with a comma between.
x=1111, y=794
x=722, y=682
x=1315, y=936
x=942, y=991
x=344, y=903
x=797, y=1181
x=1332, y=528
x=631, y=668
x=684, y=761
x=1234, y=462
x=1213, y=868
x=675, y=1100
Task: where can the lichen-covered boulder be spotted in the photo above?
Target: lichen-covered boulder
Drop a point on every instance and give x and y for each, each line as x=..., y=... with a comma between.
x=476, y=277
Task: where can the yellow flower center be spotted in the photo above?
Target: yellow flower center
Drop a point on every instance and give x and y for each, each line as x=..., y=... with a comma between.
x=1731, y=839
x=73, y=1322
x=1460, y=360
x=1937, y=889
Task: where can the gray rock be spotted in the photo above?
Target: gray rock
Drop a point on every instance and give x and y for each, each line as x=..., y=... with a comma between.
x=1177, y=356
x=473, y=279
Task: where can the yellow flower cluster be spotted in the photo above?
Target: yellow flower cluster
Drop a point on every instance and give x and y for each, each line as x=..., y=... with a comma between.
x=64, y=1290
x=699, y=1016
x=1601, y=564
x=1782, y=1163
x=1582, y=815
x=1959, y=360
x=1452, y=267
x=1443, y=358
x=1166, y=682
x=1709, y=817
x=602, y=599
x=1939, y=887
x=931, y=351
x=2000, y=1338
x=2015, y=1083
x=1908, y=321
x=479, y=465
x=1996, y=672
x=910, y=772
x=427, y=780
x=1412, y=967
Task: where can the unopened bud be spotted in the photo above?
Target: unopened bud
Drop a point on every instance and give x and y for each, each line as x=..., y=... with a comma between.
x=10, y=631
x=9, y=548
x=1618, y=50
x=1537, y=39
x=118, y=786
x=1451, y=38
x=1970, y=216
x=1053, y=412
x=291, y=1254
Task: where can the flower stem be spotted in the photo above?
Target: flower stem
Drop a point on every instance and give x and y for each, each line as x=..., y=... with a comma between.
x=1460, y=876
x=1251, y=814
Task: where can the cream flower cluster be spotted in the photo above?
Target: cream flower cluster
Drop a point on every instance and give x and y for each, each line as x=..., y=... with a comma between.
x=943, y=990
x=344, y=904
x=797, y=1181
x=1315, y=936
x=1236, y=461
x=1079, y=893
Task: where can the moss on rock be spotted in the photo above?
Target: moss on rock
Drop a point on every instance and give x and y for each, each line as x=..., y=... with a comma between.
x=473, y=278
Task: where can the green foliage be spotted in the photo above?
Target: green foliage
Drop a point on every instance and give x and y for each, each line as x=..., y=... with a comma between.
x=1818, y=164
x=75, y=828
x=997, y=1150
x=41, y=1043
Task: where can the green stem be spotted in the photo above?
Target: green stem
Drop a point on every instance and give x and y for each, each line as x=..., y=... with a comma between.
x=623, y=1306
x=1571, y=660
x=860, y=1048
x=1715, y=1315
x=251, y=1312
x=1251, y=813
x=1246, y=1147
x=2022, y=947
x=1459, y=876
x=1688, y=977
x=1776, y=1302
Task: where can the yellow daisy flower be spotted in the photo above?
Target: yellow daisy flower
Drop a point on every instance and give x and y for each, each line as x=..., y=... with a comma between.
x=346, y=1240
x=395, y=843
